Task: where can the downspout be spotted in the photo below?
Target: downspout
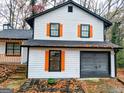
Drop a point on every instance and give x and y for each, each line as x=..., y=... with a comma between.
x=115, y=58
x=27, y=62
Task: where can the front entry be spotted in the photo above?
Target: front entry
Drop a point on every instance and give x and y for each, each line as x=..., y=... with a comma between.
x=94, y=64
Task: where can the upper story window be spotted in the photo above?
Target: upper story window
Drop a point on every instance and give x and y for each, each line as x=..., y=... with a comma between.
x=13, y=49
x=85, y=30
x=70, y=8
x=54, y=29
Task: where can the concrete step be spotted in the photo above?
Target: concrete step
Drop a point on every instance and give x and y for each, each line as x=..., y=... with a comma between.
x=21, y=69
x=18, y=76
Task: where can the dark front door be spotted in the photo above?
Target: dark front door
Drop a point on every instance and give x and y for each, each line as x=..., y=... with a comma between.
x=94, y=64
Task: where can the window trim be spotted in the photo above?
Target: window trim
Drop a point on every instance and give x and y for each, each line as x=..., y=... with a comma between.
x=58, y=29
x=59, y=64
x=12, y=49
x=88, y=31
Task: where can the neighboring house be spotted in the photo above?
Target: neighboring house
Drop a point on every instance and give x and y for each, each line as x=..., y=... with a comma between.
x=68, y=42
x=10, y=45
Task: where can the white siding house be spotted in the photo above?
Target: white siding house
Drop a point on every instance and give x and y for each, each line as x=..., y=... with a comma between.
x=72, y=60
x=10, y=46
x=70, y=23
x=68, y=42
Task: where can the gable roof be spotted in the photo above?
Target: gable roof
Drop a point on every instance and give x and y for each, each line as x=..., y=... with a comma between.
x=30, y=20
x=70, y=44
x=16, y=34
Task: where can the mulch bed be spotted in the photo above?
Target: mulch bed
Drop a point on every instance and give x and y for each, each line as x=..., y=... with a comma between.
x=60, y=86
x=72, y=86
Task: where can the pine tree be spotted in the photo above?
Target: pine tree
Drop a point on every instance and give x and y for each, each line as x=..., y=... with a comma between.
x=116, y=38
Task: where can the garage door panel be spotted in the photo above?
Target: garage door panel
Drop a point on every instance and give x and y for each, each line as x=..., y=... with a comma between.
x=94, y=74
x=95, y=68
x=94, y=64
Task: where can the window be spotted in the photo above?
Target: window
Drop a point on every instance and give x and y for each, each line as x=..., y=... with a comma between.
x=7, y=26
x=54, y=60
x=54, y=29
x=85, y=30
x=70, y=8
x=13, y=49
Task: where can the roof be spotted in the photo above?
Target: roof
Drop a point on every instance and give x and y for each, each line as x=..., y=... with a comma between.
x=15, y=34
x=69, y=44
x=30, y=20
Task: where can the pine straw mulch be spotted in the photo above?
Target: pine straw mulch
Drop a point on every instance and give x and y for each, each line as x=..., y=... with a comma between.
x=61, y=86
x=75, y=86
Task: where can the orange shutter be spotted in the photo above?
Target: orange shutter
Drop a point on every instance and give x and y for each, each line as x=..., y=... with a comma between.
x=48, y=29
x=61, y=30
x=91, y=31
x=62, y=60
x=79, y=31
x=47, y=60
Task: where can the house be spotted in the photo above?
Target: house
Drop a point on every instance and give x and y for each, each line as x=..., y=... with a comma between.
x=10, y=45
x=68, y=42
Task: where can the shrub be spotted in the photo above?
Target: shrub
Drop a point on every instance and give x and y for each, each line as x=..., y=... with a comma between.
x=51, y=81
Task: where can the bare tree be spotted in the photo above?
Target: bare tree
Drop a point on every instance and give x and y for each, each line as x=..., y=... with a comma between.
x=14, y=12
x=108, y=9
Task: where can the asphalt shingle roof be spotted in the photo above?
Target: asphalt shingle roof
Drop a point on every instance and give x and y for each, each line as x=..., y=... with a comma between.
x=69, y=44
x=15, y=34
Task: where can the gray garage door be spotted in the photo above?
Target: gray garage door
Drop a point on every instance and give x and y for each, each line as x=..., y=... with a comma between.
x=94, y=64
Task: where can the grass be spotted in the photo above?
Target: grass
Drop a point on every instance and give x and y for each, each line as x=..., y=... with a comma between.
x=98, y=82
x=14, y=83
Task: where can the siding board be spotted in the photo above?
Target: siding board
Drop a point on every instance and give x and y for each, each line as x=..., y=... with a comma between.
x=8, y=59
x=72, y=63
x=69, y=26
x=36, y=65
